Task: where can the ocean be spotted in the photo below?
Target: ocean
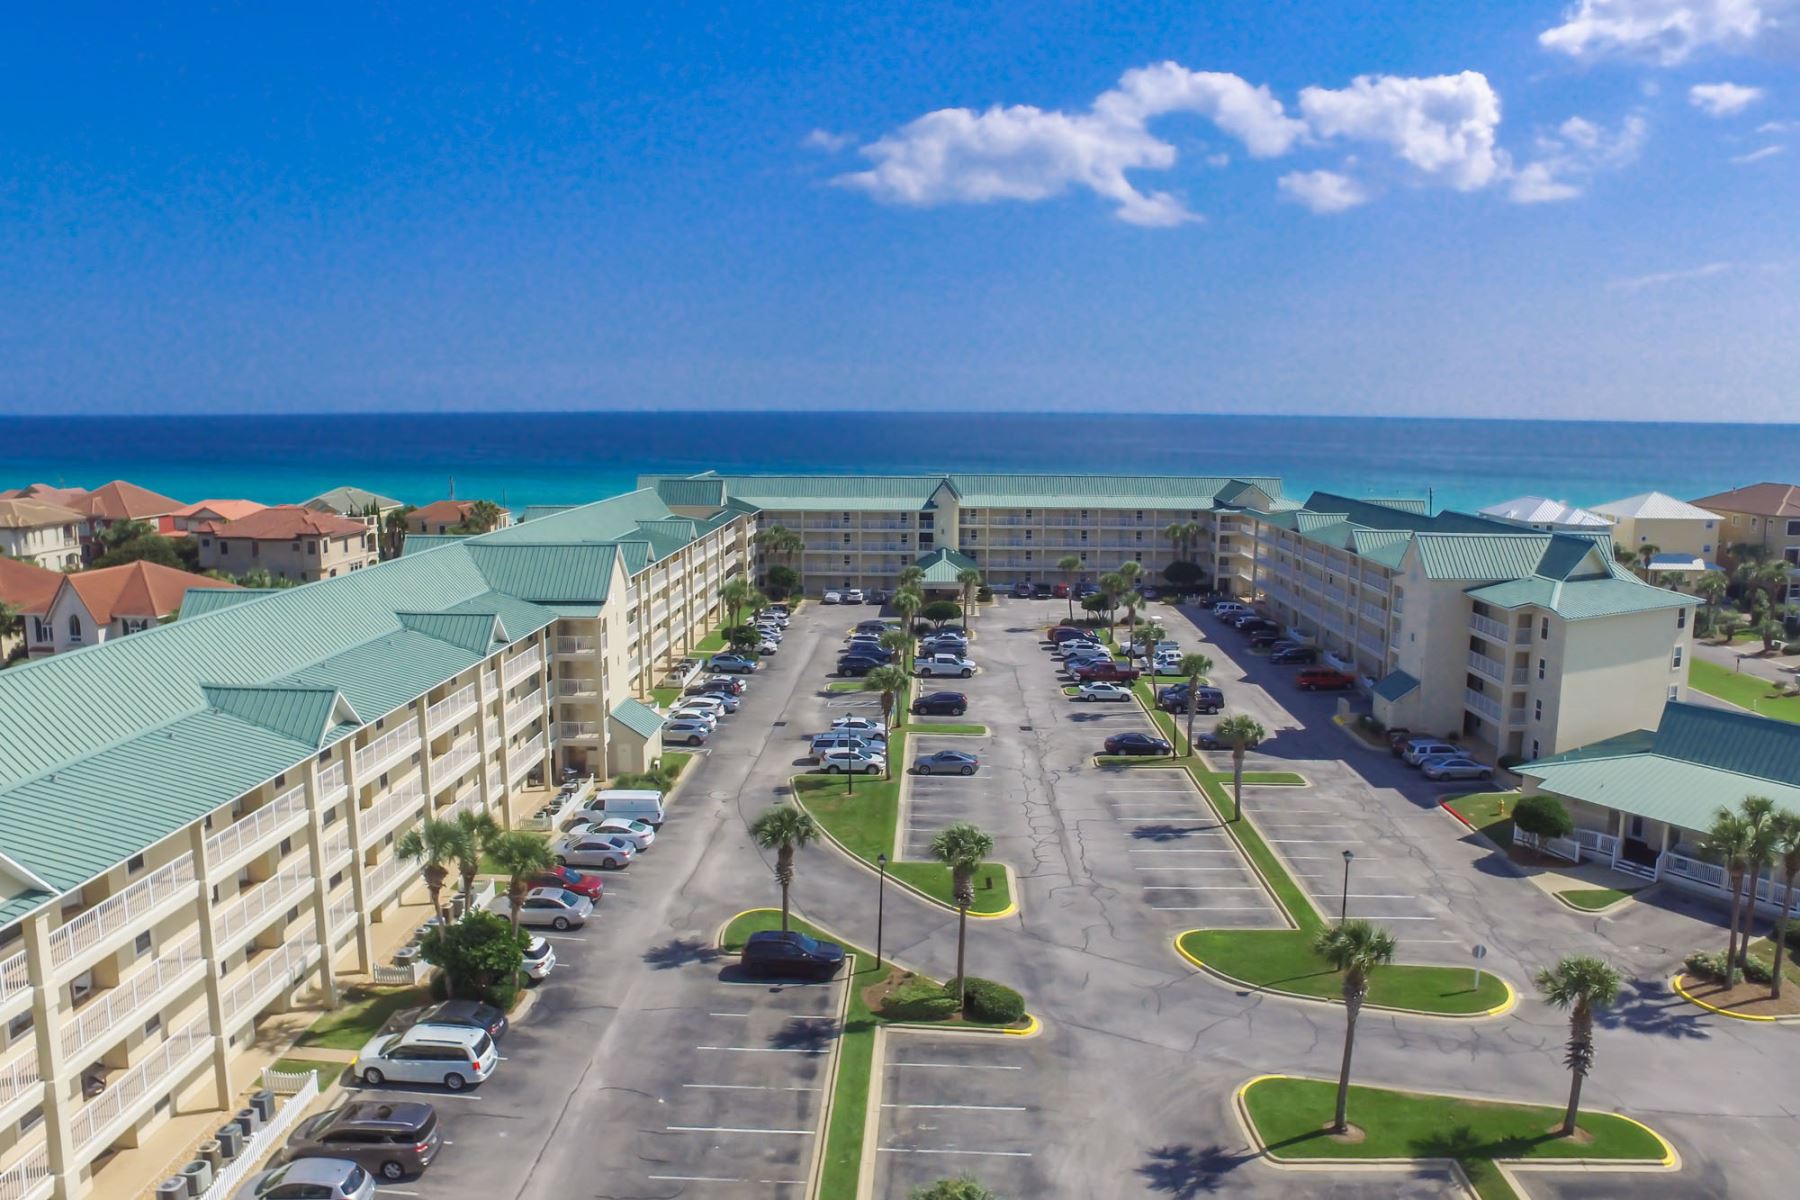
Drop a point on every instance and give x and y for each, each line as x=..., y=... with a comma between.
x=561, y=458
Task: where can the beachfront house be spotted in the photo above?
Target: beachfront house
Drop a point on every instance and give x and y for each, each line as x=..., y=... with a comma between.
x=289, y=542
x=41, y=533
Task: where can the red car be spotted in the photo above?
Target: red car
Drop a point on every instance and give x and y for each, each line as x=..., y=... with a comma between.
x=582, y=883
x=1324, y=679
x=1108, y=672
x=1060, y=591
x=1062, y=633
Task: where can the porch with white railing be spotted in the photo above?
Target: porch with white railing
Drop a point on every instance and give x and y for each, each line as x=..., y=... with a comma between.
x=450, y=709
x=397, y=743
x=1489, y=668
x=1374, y=583
x=127, y=912
x=454, y=761
x=578, y=685
x=378, y=818
x=490, y=683
x=28, y=1178
x=335, y=850
x=521, y=665
x=333, y=786
x=113, y=1011
x=1482, y=703
x=104, y=1117
x=467, y=800
x=523, y=760
x=573, y=731
x=1712, y=878
x=252, y=906
x=270, y=975
x=253, y=833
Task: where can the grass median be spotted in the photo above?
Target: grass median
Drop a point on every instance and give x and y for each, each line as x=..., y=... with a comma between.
x=856, y=1049
x=1595, y=899
x=1746, y=691
x=1291, y=1116
x=948, y=729
x=359, y=1016
x=1489, y=813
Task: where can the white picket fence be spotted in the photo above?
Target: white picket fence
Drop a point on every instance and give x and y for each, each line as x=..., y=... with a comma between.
x=225, y=1184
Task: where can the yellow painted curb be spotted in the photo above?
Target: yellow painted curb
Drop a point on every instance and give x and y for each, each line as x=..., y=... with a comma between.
x=1506, y=1005
x=1675, y=983
x=1669, y=1158
x=1032, y=1027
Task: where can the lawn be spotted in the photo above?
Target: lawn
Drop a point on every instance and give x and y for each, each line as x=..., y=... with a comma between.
x=1487, y=812
x=1764, y=949
x=665, y=696
x=1746, y=691
x=712, y=643
x=1290, y=1114
x=856, y=1053
x=948, y=729
x=360, y=1017
x=992, y=892
x=1594, y=899
x=329, y=1072
x=844, y=685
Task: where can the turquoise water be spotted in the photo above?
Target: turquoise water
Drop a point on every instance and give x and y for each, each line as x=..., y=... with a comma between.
x=524, y=458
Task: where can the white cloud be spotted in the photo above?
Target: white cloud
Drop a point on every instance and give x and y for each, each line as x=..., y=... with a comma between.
x=1668, y=31
x=1639, y=282
x=1323, y=191
x=1443, y=125
x=1758, y=155
x=1779, y=127
x=1723, y=99
x=824, y=139
x=1578, y=150
x=1250, y=114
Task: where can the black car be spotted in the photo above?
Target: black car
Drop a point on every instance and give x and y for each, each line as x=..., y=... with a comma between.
x=874, y=626
x=858, y=664
x=472, y=1014
x=953, y=704
x=877, y=597
x=1042, y=591
x=1021, y=591
x=869, y=649
x=1255, y=625
x=1296, y=654
x=790, y=954
x=1174, y=699
x=1263, y=638
x=1141, y=744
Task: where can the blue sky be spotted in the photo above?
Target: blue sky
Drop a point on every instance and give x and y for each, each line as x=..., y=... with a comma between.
x=1487, y=209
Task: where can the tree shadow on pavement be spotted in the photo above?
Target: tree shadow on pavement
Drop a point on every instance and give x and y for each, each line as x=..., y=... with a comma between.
x=1645, y=1006
x=814, y=1036
x=1188, y=1171
x=1171, y=833
x=679, y=952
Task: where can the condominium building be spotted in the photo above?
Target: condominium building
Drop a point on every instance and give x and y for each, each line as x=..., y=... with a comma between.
x=39, y=532
x=1524, y=643
x=199, y=829
x=289, y=542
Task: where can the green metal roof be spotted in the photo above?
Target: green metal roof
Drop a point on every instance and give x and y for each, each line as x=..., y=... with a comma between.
x=197, y=602
x=1581, y=599
x=1403, y=503
x=1190, y=492
x=1394, y=685
x=349, y=500
x=1240, y=493
x=668, y=535
x=702, y=492
x=820, y=493
x=944, y=564
x=1480, y=556
x=387, y=672
x=301, y=713
x=418, y=543
x=532, y=512
x=549, y=571
x=519, y=618
x=638, y=717
x=475, y=632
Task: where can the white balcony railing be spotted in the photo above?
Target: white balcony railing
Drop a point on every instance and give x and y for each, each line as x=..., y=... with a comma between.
x=490, y=683
x=392, y=746
x=577, y=645
x=19, y=1074
x=450, y=709
x=342, y=914
x=522, y=710
x=282, y=815
x=15, y=976
x=1521, y=676
x=333, y=785
x=467, y=800
x=524, y=759
x=128, y=910
x=521, y=665
x=150, y=1077
x=454, y=761
x=27, y=1178
x=1484, y=704
x=1488, y=627
x=335, y=849
x=116, y=1009
x=255, y=903
x=378, y=818
x=1490, y=668
x=382, y=880
x=578, y=685
x=269, y=976
x=1375, y=583
x=1515, y=716
x=1374, y=613
x=572, y=730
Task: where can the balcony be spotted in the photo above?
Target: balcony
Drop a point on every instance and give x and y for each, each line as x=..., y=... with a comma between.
x=1334, y=593
x=1374, y=583
x=387, y=878
x=1515, y=716
x=578, y=685
x=252, y=907
x=523, y=760
x=519, y=666
x=520, y=712
x=454, y=761
x=269, y=976
x=111, y=1013
x=1487, y=627
x=1482, y=703
x=378, y=818
x=1487, y=668
x=342, y=915
x=15, y=977
x=1521, y=676
x=1373, y=613
x=335, y=850
x=396, y=744
x=1314, y=556
x=161, y=1068
x=490, y=684
x=467, y=800
x=29, y=1178
x=578, y=645
x=333, y=786
x=127, y=912
x=579, y=731
x=20, y=1081
x=450, y=709
x=245, y=838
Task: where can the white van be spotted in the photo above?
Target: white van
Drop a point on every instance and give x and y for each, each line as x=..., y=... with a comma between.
x=637, y=804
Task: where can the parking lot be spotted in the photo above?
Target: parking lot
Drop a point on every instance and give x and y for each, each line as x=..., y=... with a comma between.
x=952, y=1105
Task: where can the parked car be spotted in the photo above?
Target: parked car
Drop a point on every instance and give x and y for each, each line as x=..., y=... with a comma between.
x=1102, y=691
x=1062, y=633
x=947, y=762
x=593, y=850
x=1141, y=744
x=734, y=684
x=390, y=1138
x=552, y=907
x=456, y=1058
x=712, y=706
x=1262, y=639
x=582, y=883
x=1174, y=699
x=1042, y=591
x=875, y=626
x=941, y=704
x=1021, y=591
x=1150, y=593
x=944, y=643
x=945, y=664
x=1077, y=659
x=832, y=598
x=869, y=648
x=686, y=731
x=467, y=1014
x=311, y=1179
x=851, y=760
x=1324, y=679
x=860, y=725
x=768, y=646
x=1229, y=610
x=640, y=835
x=733, y=664
x=839, y=740
x=1295, y=654
x=853, y=596
x=1255, y=625
x=855, y=665
x=1087, y=589
x=1421, y=748
x=1167, y=664
x=791, y=954
x=540, y=958
x=708, y=688
x=1455, y=766
x=1397, y=737
x=1109, y=671
x=876, y=597
x=1078, y=645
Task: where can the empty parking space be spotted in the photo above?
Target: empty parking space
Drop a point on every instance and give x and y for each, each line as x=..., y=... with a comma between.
x=1181, y=859
x=956, y=1106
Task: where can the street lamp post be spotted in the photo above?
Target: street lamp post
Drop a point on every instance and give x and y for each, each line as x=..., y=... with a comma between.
x=1344, y=901
x=881, y=860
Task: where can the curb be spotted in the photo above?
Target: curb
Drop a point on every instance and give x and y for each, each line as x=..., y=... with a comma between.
x=1499, y=1010
x=1675, y=986
x=816, y=1173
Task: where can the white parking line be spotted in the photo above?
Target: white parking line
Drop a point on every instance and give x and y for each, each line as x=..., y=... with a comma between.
x=734, y=1129
x=747, y=1087
x=959, y=1066
x=1317, y=841
x=761, y=1049
x=1187, y=868
x=1172, y=850
x=1192, y=816
x=983, y=1153
x=1203, y=887
x=714, y=1014
x=966, y=1107
x=1382, y=896
x=1202, y=908
x=696, y=1178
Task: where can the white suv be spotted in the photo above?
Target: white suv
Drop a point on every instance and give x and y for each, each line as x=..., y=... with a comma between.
x=850, y=761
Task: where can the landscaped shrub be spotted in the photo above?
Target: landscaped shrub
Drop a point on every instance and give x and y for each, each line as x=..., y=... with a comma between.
x=985, y=594
x=1704, y=965
x=1543, y=815
x=985, y=1000
x=919, y=999
x=1368, y=722
x=1757, y=971
x=476, y=953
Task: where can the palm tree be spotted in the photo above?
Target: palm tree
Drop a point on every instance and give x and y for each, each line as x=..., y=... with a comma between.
x=778, y=541
x=433, y=845
x=962, y=847
x=1766, y=576
x=1070, y=565
x=970, y=579
x=1112, y=586
x=1176, y=532
x=483, y=517
x=1784, y=842
x=897, y=642
x=890, y=681
x=910, y=576
x=1354, y=949
x=734, y=593
x=522, y=856
x=1131, y=571
x=1242, y=732
x=962, y=1187
x=1196, y=667
x=1728, y=843
x=1759, y=814
x=1190, y=534
x=784, y=829
x=1583, y=985
x=1645, y=553
x=907, y=603
x=477, y=834
x=1132, y=602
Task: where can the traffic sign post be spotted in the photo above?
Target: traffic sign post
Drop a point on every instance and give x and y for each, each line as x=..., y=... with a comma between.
x=1480, y=952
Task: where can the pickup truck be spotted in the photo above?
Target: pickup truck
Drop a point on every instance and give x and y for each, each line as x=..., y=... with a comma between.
x=946, y=664
x=1110, y=671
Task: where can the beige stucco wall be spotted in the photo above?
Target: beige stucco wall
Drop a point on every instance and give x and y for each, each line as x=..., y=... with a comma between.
x=315, y=558
x=1671, y=536
x=1606, y=676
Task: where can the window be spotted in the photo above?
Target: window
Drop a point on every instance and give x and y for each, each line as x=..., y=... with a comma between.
x=311, y=547
x=1681, y=618
x=1676, y=663
x=30, y=1120
x=1793, y=528
x=1534, y=748
x=1537, y=710
x=1544, y=630
x=1540, y=668
x=1706, y=549
x=152, y=1025
x=1674, y=692
x=40, y=630
x=74, y=628
x=18, y=1026
x=224, y=547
